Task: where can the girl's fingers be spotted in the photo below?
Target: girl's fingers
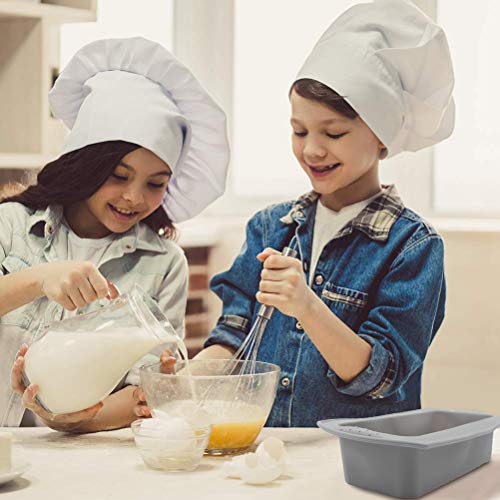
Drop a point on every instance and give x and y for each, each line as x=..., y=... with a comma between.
x=99, y=283
x=113, y=291
x=138, y=395
x=30, y=403
x=142, y=410
x=87, y=291
x=167, y=363
x=66, y=302
x=16, y=380
x=76, y=297
x=22, y=350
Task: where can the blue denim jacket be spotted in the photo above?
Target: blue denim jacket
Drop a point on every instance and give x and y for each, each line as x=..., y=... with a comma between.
x=382, y=274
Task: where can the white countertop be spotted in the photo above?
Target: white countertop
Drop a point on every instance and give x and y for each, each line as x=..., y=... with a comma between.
x=106, y=465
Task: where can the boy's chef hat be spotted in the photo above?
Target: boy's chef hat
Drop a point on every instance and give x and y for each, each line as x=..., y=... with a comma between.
x=392, y=64
x=135, y=90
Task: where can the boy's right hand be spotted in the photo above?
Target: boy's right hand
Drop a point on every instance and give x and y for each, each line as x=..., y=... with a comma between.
x=167, y=365
x=73, y=284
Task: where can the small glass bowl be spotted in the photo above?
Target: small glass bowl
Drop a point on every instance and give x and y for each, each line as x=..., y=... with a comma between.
x=172, y=455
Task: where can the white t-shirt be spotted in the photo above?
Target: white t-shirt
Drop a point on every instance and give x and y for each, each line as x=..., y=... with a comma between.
x=89, y=249
x=328, y=223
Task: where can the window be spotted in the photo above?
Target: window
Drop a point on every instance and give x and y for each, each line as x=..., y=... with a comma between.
x=467, y=166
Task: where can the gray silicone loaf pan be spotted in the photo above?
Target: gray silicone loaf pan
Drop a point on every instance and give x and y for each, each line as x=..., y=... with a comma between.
x=409, y=454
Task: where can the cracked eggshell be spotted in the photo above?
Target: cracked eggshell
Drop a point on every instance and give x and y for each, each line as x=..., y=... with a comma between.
x=232, y=468
x=253, y=471
x=272, y=449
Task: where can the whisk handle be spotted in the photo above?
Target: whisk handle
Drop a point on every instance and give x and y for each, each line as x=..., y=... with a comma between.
x=267, y=311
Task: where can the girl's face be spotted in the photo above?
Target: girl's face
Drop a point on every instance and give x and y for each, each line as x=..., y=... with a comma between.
x=131, y=193
x=340, y=155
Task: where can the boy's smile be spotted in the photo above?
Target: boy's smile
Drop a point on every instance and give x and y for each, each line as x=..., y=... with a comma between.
x=339, y=154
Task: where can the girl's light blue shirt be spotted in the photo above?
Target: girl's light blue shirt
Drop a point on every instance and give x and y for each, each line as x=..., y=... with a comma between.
x=29, y=238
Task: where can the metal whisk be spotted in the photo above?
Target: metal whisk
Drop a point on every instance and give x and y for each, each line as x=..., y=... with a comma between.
x=245, y=358
x=243, y=362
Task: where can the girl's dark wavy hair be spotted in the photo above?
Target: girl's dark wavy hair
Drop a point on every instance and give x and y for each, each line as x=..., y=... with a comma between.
x=76, y=176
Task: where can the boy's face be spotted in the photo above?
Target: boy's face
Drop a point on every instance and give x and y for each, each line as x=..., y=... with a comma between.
x=130, y=194
x=337, y=153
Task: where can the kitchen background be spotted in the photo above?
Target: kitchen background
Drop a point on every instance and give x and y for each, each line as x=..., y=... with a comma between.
x=246, y=53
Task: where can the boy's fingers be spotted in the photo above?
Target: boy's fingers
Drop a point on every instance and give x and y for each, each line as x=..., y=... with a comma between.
x=267, y=252
x=278, y=262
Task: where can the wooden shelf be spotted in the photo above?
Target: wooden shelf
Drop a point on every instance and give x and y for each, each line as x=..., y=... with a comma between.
x=16, y=8
x=196, y=318
x=198, y=294
x=198, y=269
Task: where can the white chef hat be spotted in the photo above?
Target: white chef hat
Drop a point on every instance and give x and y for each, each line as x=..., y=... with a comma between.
x=392, y=64
x=135, y=90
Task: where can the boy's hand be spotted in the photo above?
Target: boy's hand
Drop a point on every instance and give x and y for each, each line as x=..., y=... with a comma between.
x=141, y=408
x=283, y=284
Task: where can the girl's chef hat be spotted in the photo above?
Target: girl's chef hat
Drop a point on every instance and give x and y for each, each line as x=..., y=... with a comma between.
x=392, y=64
x=135, y=90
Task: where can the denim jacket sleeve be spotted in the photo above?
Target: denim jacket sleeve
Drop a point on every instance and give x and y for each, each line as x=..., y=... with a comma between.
x=237, y=287
x=406, y=313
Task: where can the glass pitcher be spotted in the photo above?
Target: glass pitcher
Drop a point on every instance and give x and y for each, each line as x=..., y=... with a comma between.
x=77, y=362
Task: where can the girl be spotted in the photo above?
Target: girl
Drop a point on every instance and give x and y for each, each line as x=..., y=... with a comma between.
x=101, y=215
x=361, y=304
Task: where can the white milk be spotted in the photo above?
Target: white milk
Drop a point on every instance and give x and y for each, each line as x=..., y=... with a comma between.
x=76, y=370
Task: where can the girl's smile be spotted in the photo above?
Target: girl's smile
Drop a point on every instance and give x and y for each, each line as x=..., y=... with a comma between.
x=123, y=214
x=130, y=194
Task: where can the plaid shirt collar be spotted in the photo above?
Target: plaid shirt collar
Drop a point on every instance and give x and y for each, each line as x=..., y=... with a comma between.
x=375, y=220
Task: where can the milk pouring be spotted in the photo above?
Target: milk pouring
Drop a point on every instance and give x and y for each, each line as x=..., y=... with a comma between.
x=79, y=361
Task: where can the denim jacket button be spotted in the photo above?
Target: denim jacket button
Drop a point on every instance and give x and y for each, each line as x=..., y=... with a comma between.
x=305, y=267
x=285, y=381
x=298, y=326
x=299, y=214
x=318, y=279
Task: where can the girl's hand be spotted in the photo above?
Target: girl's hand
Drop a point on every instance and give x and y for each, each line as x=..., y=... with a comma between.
x=74, y=284
x=65, y=422
x=167, y=365
x=283, y=284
